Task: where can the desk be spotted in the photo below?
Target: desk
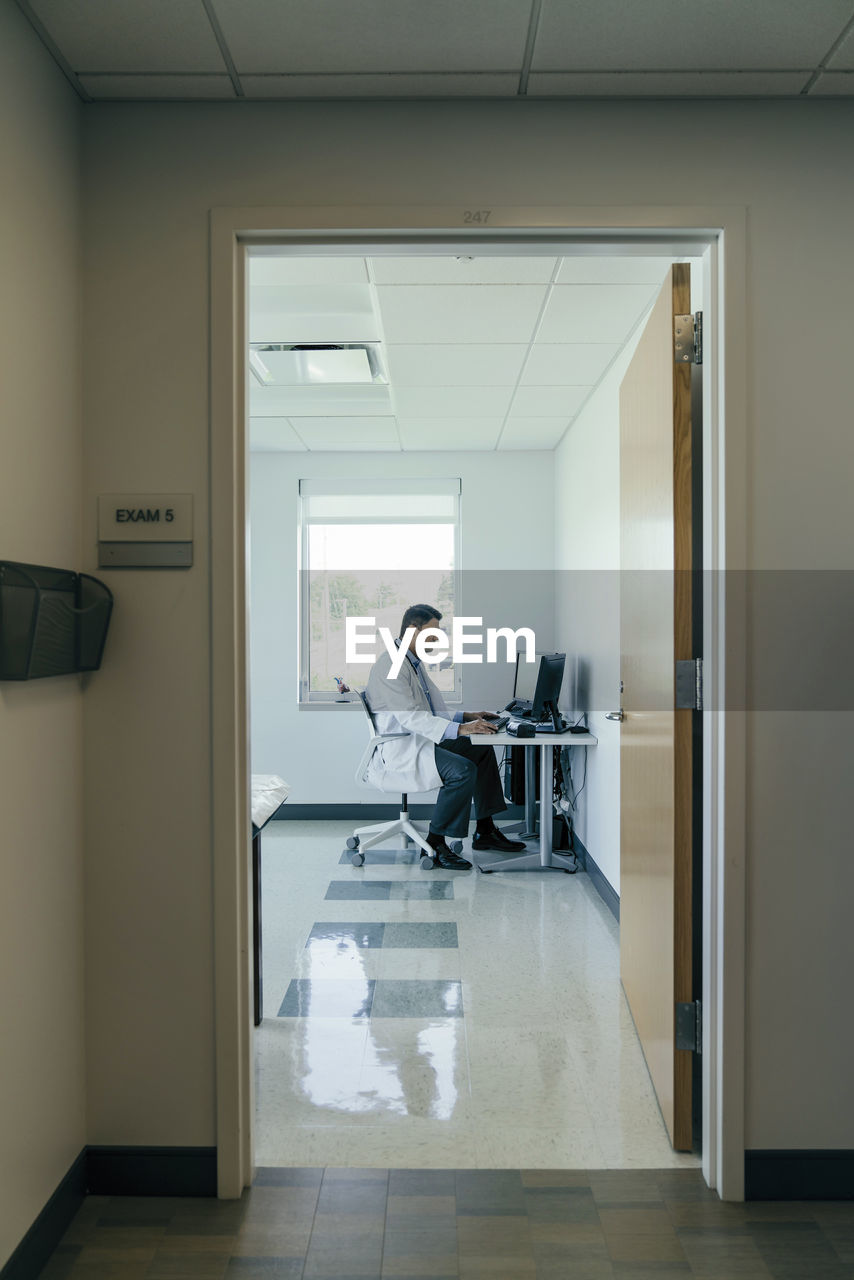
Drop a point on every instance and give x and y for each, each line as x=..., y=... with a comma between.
x=268, y=791
x=546, y=859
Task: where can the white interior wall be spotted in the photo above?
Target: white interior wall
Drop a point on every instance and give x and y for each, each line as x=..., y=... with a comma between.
x=317, y=749
x=587, y=603
x=152, y=173
x=42, y=1100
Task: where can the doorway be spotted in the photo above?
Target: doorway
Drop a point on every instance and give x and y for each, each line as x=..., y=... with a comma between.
x=228, y=403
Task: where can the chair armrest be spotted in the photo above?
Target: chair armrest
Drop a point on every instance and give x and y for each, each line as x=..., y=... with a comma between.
x=362, y=767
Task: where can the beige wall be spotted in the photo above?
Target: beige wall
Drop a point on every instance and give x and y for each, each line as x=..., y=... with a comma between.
x=42, y=1099
x=152, y=172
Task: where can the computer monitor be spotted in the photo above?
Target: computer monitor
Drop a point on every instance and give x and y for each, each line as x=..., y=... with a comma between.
x=547, y=692
x=525, y=684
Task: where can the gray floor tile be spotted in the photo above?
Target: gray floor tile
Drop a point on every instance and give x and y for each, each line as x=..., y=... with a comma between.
x=367, y=1199
x=358, y=891
x=794, y=1249
x=353, y=1174
x=169, y=1265
x=360, y=934
x=421, y=1182
x=328, y=998
x=271, y=1177
x=59, y=1265
x=408, y=935
x=561, y=1204
x=265, y=1269
x=573, y=1262
x=421, y=890
x=650, y=1270
x=417, y=998
x=484, y=1192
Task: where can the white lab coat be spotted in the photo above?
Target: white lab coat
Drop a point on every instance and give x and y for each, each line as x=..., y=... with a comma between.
x=400, y=706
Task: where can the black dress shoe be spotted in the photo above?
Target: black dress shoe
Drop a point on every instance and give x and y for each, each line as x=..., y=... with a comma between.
x=496, y=840
x=443, y=857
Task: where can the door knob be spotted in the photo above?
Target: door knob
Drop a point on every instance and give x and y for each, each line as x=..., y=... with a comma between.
x=616, y=715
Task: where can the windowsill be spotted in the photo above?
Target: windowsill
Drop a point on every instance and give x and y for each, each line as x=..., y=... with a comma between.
x=328, y=706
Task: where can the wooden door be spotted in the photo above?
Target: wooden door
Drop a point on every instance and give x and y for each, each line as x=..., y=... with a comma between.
x=656, y=739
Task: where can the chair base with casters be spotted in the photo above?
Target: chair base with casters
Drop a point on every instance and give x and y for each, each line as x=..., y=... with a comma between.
x=364, y=838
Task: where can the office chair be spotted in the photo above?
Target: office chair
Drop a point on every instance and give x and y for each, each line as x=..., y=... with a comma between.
x=364, y=837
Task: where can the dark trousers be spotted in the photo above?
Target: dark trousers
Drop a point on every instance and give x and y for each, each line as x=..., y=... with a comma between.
x=468, y=772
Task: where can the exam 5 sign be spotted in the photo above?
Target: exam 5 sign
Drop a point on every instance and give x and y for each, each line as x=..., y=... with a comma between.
x=145, y=517
x=150, y=515
x=466, y=643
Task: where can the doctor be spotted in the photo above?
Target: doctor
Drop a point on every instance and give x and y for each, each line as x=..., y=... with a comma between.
x=438, y=752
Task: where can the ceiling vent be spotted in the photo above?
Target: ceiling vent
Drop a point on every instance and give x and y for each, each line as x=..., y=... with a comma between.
x=277, y=364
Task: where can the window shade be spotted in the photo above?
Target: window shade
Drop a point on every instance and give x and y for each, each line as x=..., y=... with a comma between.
x=402, y=501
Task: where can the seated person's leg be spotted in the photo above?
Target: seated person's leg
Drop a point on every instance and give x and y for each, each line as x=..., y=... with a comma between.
x=453, y=805
x=487, y=794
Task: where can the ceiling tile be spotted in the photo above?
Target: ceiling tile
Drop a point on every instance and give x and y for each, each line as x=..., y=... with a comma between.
x=295, y=269
x=312, y=313
x=347, y=433
x=462, y=270
x=834, y=84
x=622, y=270
x=622, y=35
x=273, y=435
x=466, y=365
x=449, y=433
x=843, y=58
x=375, y=35
x=409, y=85
x=566, y=365
x=532, y=433
x=154, y=87
x=449, y=313
x=594, y=313
x=668, y=84
x=322, y=401
x=157, y=35
x=547, y=402
x=451, y=402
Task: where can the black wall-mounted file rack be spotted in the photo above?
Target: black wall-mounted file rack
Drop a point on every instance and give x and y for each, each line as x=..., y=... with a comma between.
x=52, y=621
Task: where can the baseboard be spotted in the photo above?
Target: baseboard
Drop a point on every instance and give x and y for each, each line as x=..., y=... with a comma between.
x=600, y=883
x=151, y=1171
x=368, y=812
x=799, y=1175
x=50, y=1226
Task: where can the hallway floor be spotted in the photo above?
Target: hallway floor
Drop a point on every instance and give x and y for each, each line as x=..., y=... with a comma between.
x=442, y=1019
x=476, y=1224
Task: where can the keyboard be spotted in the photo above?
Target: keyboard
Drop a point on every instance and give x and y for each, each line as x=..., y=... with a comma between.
x=501, y=722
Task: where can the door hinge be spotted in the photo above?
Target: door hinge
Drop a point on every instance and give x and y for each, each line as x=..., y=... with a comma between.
x=689, y=684
x=688, y=338
x=689, y=1026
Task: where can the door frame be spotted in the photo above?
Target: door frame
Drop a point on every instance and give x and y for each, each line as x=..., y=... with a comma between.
x=718, y=234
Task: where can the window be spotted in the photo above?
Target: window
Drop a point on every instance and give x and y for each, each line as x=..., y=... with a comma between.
x=371, y=548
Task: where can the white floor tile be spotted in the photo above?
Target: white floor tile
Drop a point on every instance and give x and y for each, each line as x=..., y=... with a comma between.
x=544, y=1070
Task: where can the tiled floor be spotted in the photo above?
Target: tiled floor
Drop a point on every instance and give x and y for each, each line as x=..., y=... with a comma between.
x=474, y=1224
x=442, y=1019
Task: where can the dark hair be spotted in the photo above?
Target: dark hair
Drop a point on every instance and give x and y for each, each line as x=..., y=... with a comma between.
x=417, y=614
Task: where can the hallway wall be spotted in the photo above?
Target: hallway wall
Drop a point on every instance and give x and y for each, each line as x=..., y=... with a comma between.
x=42, y=1100
x=152, y=172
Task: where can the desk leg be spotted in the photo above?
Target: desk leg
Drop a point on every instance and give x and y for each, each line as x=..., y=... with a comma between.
x=527, y=829
x=256, y=928
x=546, y=859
